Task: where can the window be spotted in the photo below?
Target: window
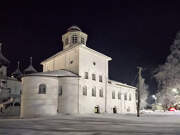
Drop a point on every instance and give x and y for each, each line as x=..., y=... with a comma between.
x=94, y=77
x=60, y=91
x=71, y=62
x=113, y=94
x=94, y=63
x=42, y=89
x=100, y=78
x=85, y=90
x=101, y=92
x=66, y=41
x=130, y=97
x=125, y=96
x=74, y=39
x=86, y=75
x=94, y=91
x=119, y=95
x=82, y=40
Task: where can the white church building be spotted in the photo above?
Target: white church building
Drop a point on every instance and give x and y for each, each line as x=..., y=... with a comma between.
x=75, y=80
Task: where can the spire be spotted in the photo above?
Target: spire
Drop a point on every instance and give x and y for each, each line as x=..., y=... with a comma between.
x=30, y=69
x=3, y=61
x=17, y=73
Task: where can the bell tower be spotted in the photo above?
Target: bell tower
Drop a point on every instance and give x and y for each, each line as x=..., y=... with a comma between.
x=74, y=36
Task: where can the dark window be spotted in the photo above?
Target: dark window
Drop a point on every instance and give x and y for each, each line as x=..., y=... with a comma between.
x=60, y=91
x=125, y=96
x=113, y=94
x=93, y=77
x=130, y=97
x=85, y=90
x=119, y=95
x=71, y=62
x=86, y=75
x=82, y=40
x=100, y=78
x=94, y=63
x=42, y=89
x=101, y=92
x=94, y=92
x=74, y=39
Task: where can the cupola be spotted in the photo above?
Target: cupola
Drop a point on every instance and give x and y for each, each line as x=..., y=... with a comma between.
x=74, y=36
x=30, y=69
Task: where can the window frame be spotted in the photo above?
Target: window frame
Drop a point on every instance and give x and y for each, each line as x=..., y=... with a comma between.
x=100, y=78
x=74, y=39
x=94, y=77
x=86, y=75
x=101, y=94
x=42, y=88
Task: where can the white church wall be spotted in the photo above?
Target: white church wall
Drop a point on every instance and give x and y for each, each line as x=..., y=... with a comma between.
x=88, y=102
x=92, y=63
x=68, y=101
x=122, y=105
x=34, y=104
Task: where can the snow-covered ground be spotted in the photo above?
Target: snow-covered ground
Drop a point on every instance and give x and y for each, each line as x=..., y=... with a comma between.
x=158, y=123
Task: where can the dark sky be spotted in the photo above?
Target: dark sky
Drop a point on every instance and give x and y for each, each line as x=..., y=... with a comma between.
x=131, y=32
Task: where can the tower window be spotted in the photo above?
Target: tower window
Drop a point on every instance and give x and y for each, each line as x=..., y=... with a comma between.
x=94, y=77
x=94, y=91
x=74, y=39
x=42, y=89
x=94, y=63
x=85, y=90
x=82, y=40
x=100, y=78
x=113, y=94
x=101, y=92
x=86, y=75
x=66, y=41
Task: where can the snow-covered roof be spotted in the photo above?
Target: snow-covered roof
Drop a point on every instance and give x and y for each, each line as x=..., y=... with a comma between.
x=120, y=84
x=56, y=73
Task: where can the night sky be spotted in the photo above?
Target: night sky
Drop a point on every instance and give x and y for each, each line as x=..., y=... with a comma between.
x=133, y=33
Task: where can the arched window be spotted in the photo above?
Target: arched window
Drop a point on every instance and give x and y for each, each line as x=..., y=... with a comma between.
x=130, y=97
x=113, y=94
x=119, y=95
x=94, y=91
x=101, y=92
x=60, y=91
x=85, y=90
x=42, y=89
x=125, y=96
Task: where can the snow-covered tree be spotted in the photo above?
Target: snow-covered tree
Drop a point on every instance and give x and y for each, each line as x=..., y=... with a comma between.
x=168, y=75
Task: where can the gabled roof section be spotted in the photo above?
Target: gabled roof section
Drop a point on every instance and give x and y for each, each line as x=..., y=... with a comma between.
x=85, y=47
x=112, y=82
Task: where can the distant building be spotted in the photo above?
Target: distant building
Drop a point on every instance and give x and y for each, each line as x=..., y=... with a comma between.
x=75, y=80
x=10, y=87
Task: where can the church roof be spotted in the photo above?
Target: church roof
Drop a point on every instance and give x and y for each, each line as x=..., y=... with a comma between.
x=56, y=73
x=3, y=60
x=74, y=28
x=30, y=69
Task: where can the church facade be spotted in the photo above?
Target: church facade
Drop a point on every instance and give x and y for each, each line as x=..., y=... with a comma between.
x=75, y=80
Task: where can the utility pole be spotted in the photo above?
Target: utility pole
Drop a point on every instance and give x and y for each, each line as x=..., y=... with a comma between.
x=139, y=90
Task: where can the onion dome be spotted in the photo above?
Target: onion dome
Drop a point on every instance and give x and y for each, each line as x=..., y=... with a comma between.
x=74, y=28
x=30, y=69
x=3, y=61
x=17, y=73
